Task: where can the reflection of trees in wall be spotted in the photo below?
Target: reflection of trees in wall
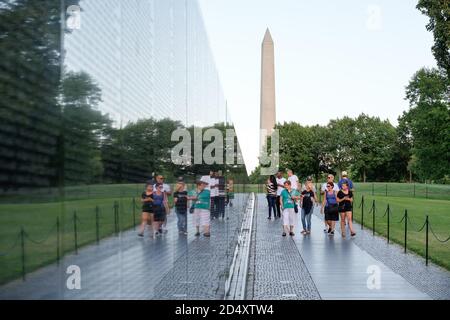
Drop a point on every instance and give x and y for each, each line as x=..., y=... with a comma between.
x=30, y=68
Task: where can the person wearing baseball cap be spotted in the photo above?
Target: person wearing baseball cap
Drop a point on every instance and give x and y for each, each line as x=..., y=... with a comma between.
x=347, y=179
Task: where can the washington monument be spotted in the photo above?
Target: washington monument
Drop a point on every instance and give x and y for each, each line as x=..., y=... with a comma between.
x=267, y=111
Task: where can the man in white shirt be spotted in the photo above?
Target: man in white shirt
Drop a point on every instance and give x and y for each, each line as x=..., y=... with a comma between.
x=280, y=182
x=293, y=179
x=214, y=192
x=330, y=178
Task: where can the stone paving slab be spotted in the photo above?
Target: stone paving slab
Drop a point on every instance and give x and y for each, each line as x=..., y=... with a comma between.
x=278, y=270
x=432, y=279
x=339, y=267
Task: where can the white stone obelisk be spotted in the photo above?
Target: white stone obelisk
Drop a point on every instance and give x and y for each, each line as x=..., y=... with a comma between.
x=267, y=109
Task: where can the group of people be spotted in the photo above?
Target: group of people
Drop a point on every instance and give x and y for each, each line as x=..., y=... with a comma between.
x=287, y=196
x=207, y=201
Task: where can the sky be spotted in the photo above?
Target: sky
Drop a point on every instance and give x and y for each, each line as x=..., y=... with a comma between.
x=332, y=59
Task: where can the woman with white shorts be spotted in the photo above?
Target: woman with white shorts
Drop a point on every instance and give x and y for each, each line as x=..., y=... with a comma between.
x=288, y=201
x=201, y=205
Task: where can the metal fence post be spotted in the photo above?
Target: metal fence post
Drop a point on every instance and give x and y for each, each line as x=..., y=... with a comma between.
x=22, y=243
x=134, y=213
x=57, y=241
x=386, y=190
x=414, y=190
x=75, y=231
x=406, y=227
x=426, y=192
x=116, y=222
x=373, y=189
x=373, y=217
x=362, y=212
x=388, y=221
x=426, y=242
x=97, y=224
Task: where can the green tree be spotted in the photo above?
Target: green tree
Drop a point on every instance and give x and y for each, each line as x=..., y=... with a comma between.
x=428, y=121
x=340, y=140
x=439, y=13
x=30, y=117
x=374, y=142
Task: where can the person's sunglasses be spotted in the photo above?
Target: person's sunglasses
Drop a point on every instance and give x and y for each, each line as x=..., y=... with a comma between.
x=329, y=186
x=329, y=177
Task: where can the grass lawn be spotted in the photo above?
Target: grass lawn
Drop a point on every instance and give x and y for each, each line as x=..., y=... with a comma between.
x=439, y=219
x=39, y=222
x=408, y=190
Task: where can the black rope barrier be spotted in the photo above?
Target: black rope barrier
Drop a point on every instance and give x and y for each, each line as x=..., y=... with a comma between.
x=12, y=247
x=49, y=233
x=436, y=237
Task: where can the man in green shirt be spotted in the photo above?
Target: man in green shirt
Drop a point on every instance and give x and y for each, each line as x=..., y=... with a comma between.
x=289, y=197
x=201, y=203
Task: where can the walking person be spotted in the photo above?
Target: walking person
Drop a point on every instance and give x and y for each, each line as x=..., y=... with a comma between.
x=280, y=186
x=166, y=192
x=271, y=188
x=180, y=200
x=293, y=179
x=147, y=210
x=159, y=211
x=230, y=192
x=221, y=194
x=201, y=205
x=330, y=208
x=345, y=178
x=212, y=186
x=330, y=178
x=345, y=201
x=308, y=198
x=289, y=197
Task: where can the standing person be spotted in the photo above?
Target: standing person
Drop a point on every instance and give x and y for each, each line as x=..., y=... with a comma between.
x=211, y=186
x=201, y=205
x=309, y=179
x=345, y=201
x=147, y=209
x=308, y=198
x=271, y=187
x=345, y=178
x=180, y=200
x=230, y=192
x=221, y=194
x=293, y=179
x=280, y=186
x=159, y=211
x=330, y=207
x=167, y=192
x=330, y=178
x=289, y=197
